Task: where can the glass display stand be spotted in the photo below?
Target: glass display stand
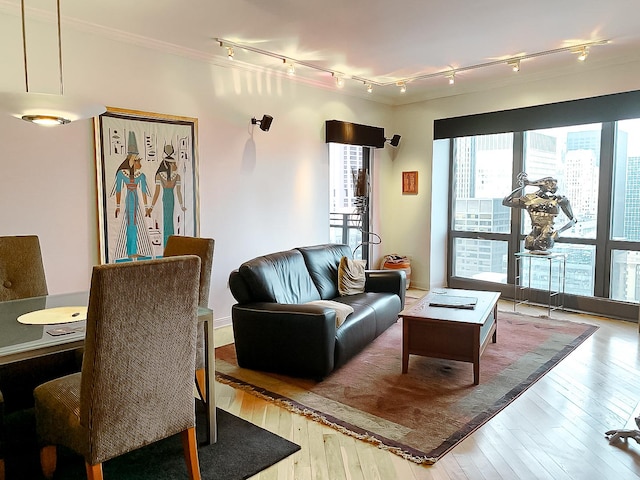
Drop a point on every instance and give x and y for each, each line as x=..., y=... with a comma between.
x=532, y=273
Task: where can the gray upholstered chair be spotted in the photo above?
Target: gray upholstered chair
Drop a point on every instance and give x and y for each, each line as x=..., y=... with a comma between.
x=136, y=384
x=22, y=276
x=21, y=269
x=202, y=247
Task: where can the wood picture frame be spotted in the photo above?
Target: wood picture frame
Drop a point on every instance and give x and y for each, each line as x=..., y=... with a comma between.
x=147, y=182
x=409, y=183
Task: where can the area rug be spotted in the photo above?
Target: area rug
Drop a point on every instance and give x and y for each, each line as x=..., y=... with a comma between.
x=422, y=414
x=242, y=450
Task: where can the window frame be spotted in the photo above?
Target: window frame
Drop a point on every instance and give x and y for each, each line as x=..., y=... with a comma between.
x=599, y=303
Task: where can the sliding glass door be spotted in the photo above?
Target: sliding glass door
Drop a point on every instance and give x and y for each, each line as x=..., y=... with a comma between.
x=349, y=197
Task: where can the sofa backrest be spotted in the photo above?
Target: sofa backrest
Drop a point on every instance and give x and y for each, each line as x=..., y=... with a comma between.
x=278, y=277
x=322, y=263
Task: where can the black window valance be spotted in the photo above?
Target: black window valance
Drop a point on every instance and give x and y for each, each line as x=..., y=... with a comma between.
x=605, y=108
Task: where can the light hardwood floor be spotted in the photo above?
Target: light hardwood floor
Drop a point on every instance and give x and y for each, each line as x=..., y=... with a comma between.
x=555, y=430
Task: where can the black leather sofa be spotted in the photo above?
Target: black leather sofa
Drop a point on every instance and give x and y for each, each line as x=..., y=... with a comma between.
x=276, y=330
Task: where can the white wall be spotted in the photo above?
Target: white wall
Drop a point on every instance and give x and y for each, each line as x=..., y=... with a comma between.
x=416, y=232
x=259, y=192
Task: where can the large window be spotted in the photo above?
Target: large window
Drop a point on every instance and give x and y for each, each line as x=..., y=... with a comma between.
x=597, y=167
x=482, y=166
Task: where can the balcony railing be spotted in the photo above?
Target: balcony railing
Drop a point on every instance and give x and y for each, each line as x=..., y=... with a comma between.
x=347, y=228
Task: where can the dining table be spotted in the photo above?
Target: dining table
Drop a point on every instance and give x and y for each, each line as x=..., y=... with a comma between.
x=22, y=341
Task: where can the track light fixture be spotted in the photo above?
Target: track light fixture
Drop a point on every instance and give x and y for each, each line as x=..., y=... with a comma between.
x=230, y=53
x=393, y=141
x=583, y=54
x=291, y=68
x=264, y=123
x=582, y=50
x=451, y=77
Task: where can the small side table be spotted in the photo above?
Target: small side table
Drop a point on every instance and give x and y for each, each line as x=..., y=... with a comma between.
x=522, y=283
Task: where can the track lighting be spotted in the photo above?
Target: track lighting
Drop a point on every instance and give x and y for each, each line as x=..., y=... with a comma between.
x=581, y=50
x=583, y=54
x=264, y=124
x=393, y=141
x=230, y=53
x=451, y=77
x=291, y=68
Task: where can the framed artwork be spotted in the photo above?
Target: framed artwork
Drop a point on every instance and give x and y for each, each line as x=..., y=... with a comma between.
x=409, y=182
x=147, y=182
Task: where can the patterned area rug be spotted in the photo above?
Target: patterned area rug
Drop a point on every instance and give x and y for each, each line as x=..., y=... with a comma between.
x=420, y=415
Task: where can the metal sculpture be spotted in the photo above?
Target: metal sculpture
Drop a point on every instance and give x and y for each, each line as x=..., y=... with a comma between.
x=543, y=207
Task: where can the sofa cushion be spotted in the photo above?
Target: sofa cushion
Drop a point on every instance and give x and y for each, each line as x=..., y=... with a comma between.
x=342, y=309
x=358, y=331
x=384, y=305
x=322, y=263
x=351, y=278
x=279, y=277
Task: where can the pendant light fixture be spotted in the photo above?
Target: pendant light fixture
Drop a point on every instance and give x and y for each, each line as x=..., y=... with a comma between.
x=42, y=108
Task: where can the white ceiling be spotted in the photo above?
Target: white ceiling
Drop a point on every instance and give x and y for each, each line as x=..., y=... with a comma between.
x=384, y=41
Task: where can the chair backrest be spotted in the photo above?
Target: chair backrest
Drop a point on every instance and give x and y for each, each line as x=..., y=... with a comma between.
x=21, y=269
x=137, y=370
x=202, y=247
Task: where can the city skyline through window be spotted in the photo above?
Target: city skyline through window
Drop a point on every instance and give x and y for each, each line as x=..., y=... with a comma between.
x=348, y=208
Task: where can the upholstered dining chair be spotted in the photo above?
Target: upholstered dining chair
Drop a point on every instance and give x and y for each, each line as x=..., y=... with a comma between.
x=21, y=268
x=22, y=275
x=136, y=383
x=202, y=247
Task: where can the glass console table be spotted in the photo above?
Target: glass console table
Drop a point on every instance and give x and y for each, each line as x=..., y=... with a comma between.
x=533, y=274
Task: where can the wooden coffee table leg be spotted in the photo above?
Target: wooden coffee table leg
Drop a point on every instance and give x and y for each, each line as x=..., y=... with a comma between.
x=495, y=319
x=476, y=356
x=405, y=345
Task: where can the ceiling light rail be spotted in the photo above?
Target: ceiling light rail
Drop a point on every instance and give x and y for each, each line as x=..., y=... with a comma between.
x=581, y=50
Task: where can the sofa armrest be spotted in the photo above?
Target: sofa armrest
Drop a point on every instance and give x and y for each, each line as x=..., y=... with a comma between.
x=297, y=339
x=387, y=281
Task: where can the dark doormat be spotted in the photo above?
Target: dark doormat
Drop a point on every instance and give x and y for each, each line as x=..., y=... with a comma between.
x=242, y=450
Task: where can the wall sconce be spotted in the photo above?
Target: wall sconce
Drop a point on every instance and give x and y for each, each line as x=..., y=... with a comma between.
x=393, y=141
x=264, y=124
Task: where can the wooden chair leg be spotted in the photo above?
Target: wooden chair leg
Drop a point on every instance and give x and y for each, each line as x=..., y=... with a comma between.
x=94, y=472
x=48, y=460
x=201, y=383
x=1, y=469
x=191, y=453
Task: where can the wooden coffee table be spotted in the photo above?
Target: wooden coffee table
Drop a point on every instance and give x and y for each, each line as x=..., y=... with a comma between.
x=450, y=333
